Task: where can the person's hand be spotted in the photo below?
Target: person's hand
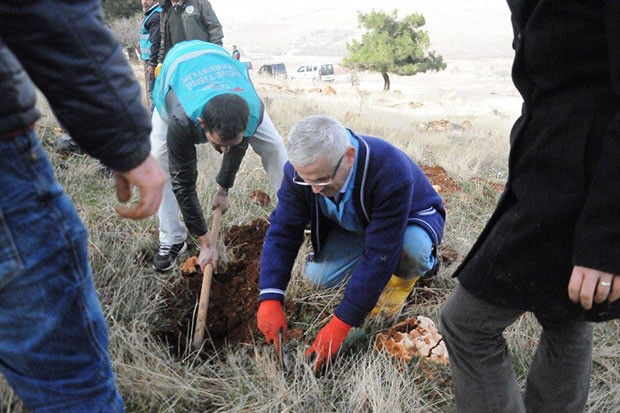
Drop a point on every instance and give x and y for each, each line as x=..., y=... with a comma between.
x=207, y=256
x=271, y=319
x=150, y=180
x=150, y=71
x=157, y=69
x=327, y=343
x=221, y=200
x=588, y=285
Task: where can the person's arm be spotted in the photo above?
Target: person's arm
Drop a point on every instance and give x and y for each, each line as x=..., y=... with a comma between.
x=182, y=162
x=284, y=237
x=231, y=161
x=162, y=34
x=86, y=79
x=91, y=89
x=211, y=22
x=155, y=39
x=597, y=234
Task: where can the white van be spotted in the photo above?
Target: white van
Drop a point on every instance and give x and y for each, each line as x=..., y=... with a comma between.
x=314, y=72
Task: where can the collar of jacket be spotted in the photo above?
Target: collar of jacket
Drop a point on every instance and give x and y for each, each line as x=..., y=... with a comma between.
x=168, y=3
x=363, y=156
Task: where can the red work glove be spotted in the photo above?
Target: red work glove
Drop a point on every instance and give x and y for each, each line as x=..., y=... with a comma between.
x=327, y=342
x=271, y=319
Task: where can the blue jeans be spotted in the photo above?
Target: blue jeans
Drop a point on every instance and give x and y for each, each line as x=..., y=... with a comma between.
x=343, y=249
x=53, y=337
x=482, y=373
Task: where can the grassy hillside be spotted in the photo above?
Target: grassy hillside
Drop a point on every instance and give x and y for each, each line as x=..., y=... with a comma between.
x=432, y=128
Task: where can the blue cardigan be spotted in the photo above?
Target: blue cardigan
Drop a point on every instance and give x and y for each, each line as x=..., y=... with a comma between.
x=391, y=192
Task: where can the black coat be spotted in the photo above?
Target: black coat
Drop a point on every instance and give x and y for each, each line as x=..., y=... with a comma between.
x=561, y=205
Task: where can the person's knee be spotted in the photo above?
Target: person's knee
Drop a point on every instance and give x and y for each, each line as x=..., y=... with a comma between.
x=449, y=320
x=320, y=276
x=417, y=257
x=414, y=263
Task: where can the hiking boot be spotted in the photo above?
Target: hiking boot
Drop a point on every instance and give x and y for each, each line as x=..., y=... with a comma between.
x=167, y=255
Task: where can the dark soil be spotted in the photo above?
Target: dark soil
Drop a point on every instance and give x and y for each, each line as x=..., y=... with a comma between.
x=233, y=299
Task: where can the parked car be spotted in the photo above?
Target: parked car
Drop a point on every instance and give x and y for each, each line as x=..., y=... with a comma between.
x=314, y=72
x=326, y=72
x=273, y=69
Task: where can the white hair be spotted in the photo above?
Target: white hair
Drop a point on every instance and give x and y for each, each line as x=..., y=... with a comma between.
x=316, y=136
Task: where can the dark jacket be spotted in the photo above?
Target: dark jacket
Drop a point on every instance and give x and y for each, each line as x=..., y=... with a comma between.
x=85, y=78
x=560, y=207
x=199, y=22
x=390, y=192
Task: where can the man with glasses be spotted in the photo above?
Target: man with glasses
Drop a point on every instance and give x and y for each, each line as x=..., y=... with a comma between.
x=203, y=95
x=376, y=222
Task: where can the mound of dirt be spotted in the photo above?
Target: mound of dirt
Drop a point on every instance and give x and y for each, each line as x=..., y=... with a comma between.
x=442, y=183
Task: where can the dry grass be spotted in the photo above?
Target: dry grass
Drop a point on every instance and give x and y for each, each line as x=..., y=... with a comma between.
x=246, y=378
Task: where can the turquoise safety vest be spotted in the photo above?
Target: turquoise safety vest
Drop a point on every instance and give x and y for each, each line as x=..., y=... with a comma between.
x=145, y=42
x=199, y=71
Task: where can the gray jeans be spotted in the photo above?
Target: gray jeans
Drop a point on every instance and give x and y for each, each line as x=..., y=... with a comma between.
x=482, y=372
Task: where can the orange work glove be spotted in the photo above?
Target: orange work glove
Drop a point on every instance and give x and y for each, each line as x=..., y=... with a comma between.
x=271, y=319
x=327, y=342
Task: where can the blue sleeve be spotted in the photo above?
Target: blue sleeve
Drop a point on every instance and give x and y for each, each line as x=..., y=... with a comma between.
x=284, y=237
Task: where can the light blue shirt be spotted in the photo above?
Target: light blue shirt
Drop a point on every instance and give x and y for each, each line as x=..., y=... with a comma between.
x=343, y=212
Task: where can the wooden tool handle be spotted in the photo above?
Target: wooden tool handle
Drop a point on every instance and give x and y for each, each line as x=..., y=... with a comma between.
x=203, y=304
x=215, y=227
x=205, y=289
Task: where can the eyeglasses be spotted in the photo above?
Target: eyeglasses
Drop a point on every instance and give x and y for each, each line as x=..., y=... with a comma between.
x=321, y=182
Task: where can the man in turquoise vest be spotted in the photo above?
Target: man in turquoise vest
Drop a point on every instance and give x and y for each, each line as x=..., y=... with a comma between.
x=202, y=94
x=150, y=39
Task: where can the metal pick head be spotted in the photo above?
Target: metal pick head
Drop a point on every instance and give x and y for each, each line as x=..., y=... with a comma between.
x=283, y=360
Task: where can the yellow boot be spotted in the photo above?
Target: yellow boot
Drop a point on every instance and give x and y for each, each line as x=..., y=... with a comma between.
x=394, y=296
